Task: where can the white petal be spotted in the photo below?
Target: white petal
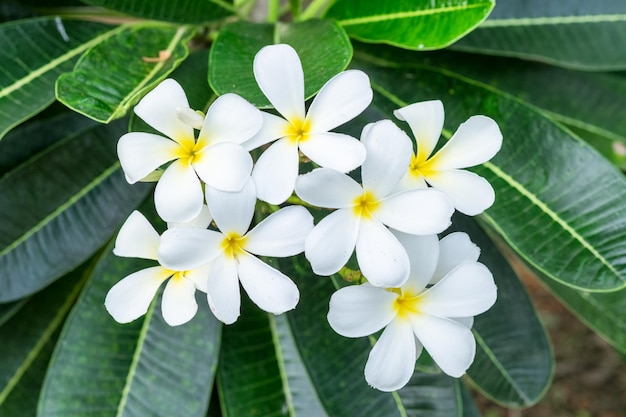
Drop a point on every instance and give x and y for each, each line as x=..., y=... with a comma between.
x=410, y=181
x=268, y=288
x=273, y=128
x=423, y=252
x=201, y=221
x=278, y=72
x=179, y=301
x=275, y=172
x=137, y=238
x=465, y=321
x=141, y=153
x=230, y=119
x=333, y=150
x=183, y=248
x=178, y=194
x=468, y=290
x=325, y=187
x=392, y=360
x=449, y=343
x=223, y=290
x=232, y=211
x=158, y=109
x=470, y=193
x=419, y=212
x=361, y=310
x=389, y=153
x=454, y=249
x=130, y=298
x=225, y=166
x=426, y=122
x=200, y=276
x=280, y=234
x=331, y=242
x=381, y=257
x=340, y=100
x=476, y=141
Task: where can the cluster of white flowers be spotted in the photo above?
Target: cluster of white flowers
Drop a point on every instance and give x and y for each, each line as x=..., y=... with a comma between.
x=424, y=292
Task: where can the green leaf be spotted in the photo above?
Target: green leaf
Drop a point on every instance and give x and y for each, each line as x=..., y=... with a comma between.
x=322, y=45
x=514, y=363
x=138, y=369
x=60, y=205
x=35, y=53
x=580, y=35
x=189, y=11
x=28, y=338
x=113, y=75
x=411, y=24
x=434, y=395
x=549, y=207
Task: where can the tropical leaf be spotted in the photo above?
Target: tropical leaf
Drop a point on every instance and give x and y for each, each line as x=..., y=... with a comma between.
x=189, y=11
x=574, y=237
x=60, y=205
x=411, y=24
x=116, y=73
x=322, y=45
x=102, y=368
x=47, y=47
x=580, y=35
x=28, y=338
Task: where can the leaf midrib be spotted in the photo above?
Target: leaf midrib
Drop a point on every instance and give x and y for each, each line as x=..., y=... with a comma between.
x=553, y=20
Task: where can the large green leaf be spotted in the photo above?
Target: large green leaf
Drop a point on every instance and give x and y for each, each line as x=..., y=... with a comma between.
x=27, y=342
x=61, y=204
x=102, y=368
x=188, y=11
x=35, y=53
x=113, y=75
x=549, y=205
x=412, y=24
x=322, y=45
x=576, y=34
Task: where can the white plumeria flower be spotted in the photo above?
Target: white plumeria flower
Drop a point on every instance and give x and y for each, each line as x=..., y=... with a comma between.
x=278, y=72
x=231, y=253
x=130, y=298
x=416, y=317
x=476, y=141
x=363, y=212
x=216, y=156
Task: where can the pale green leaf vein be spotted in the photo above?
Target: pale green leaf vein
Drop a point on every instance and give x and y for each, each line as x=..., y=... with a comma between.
x=553, y=20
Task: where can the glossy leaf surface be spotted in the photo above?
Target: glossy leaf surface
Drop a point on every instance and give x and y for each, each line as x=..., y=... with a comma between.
x=422, y=24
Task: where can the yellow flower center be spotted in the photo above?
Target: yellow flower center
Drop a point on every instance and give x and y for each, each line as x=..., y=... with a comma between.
x=298, y=130
x=190, y=151
x=365, y=205
x=407, y=303
x=420, y=167
x=233, y=244
x=178, y=275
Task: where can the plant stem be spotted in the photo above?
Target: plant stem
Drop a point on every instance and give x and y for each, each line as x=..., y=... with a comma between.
x=272, y=10
x=313, y=9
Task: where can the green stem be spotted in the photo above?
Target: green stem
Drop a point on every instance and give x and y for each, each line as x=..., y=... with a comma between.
x=313, y=9
x=272, y=10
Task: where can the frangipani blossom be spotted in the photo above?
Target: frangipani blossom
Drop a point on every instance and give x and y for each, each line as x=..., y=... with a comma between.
x=416, y=317
x=231, y=253
x=364, y=212
x=216, y=156
x=278, y=72
x=130, y=298
x=476, y=141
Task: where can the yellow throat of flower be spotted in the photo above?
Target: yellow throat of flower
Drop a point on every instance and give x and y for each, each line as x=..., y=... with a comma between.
x=365, y=205
x=407, y=303
x=298, y=130
x=233, y=244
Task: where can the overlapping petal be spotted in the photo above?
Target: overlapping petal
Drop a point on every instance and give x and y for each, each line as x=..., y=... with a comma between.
x=454, y=250
x=230, y=118
x=223, y=290
x=141, y=153
x=178, y=194
x=232, y=211
x=225, y=166
x=273, y=128
x=325, y=187
x=281, y=234
x=202, y=220
x=381, y=257
x=340, y=100
x=392, y=360
x=331, y=242
x=275, y=171
x=137, y=238
x=470, y=193
x=178, y=305
x=278, y=72
x=184, y=248
x=423, y=252
x=130, y=298
x=426, y=122
x=420, y=212
x=333, y=150
x=360, y=310
x=200, y=276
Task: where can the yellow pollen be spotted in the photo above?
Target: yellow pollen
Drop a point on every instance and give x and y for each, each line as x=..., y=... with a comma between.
x=406, y=304
x=233, y=244
x=298, y=130
x=365, y=205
